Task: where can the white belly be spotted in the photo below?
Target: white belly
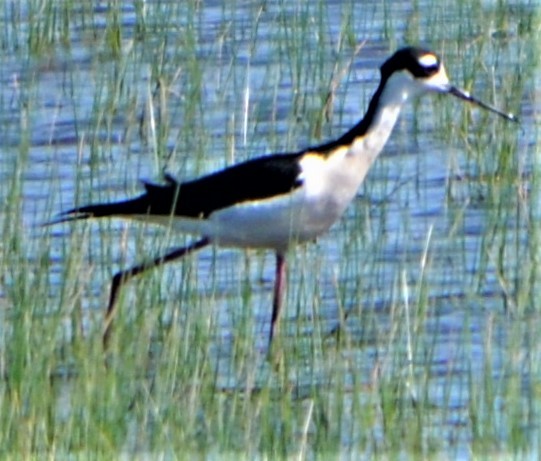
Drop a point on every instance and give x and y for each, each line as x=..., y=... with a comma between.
x=273, y=223
x=328, y=186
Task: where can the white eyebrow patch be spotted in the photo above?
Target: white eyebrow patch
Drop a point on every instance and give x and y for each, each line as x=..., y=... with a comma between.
x=428, y=60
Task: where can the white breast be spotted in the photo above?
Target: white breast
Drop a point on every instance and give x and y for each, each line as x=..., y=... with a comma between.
x=272, y=223
x=328, y=186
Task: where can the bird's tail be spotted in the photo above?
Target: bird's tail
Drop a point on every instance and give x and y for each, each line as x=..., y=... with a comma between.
x=157, y=200
x=136, y=206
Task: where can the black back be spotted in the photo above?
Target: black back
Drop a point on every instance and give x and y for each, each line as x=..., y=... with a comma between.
x=256, y=179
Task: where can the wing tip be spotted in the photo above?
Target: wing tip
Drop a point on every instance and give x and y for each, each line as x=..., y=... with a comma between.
x=168, y=178
x=137, y=205
x=68, y=216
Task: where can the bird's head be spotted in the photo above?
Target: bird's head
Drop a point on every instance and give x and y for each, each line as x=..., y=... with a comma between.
x=413, y=71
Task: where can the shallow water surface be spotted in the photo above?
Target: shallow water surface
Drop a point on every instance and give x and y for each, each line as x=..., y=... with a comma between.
x=432, y=268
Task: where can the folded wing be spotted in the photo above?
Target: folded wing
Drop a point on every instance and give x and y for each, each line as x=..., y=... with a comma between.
x=256, y=179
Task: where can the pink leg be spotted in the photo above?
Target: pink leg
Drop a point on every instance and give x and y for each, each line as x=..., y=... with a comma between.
x=120, y=278
x=279, y=289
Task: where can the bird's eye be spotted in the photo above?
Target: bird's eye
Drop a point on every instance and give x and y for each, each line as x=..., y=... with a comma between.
x=429, y=62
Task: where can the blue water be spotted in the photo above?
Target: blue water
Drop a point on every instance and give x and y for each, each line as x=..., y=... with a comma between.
x=421, y=232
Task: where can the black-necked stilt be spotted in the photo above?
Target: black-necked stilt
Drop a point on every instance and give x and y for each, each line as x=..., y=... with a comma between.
x=278, y=200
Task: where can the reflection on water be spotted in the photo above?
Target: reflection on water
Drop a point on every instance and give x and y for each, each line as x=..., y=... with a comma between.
x=79, y=125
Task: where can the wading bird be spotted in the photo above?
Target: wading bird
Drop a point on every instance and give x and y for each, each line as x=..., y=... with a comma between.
x=279, y=200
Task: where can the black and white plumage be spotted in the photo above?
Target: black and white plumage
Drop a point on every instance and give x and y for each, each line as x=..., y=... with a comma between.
x=279, y=200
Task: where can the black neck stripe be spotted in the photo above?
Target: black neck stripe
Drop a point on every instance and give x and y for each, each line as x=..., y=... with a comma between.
x=359, y=130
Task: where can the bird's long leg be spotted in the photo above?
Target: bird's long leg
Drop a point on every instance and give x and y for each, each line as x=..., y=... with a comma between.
x=121, y=277
x=279, y=288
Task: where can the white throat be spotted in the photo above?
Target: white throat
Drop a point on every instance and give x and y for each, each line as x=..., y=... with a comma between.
x=397, y=91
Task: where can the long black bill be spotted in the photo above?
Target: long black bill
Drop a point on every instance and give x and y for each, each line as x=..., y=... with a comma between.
x=468, y=97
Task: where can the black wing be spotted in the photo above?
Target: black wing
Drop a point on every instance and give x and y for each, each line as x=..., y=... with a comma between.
x=255, y=179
